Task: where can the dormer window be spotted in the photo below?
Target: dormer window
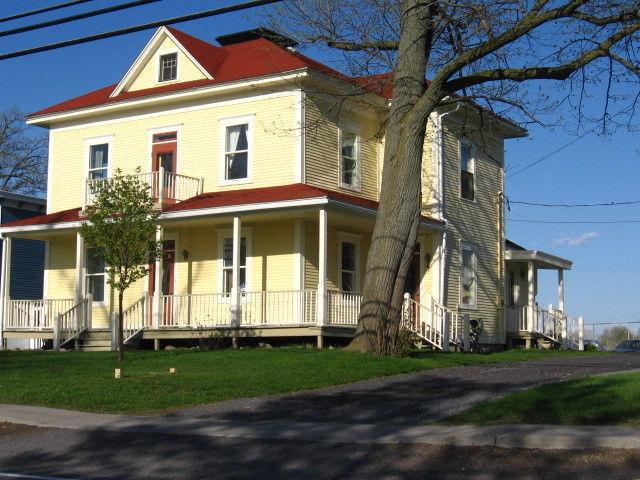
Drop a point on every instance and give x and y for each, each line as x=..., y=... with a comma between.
x=168, y=69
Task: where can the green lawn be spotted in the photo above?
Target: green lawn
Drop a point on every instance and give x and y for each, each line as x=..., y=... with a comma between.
x=601, y=400
x=85, y=381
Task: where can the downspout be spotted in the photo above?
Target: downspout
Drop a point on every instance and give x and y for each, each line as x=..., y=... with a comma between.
x=440, y=167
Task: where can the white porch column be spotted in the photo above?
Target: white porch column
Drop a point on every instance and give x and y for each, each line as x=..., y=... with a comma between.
x=561, y=290
x=236, y=312
x=322, y=268
x=157, y=281
x=531, y=302
x=80, y=259
x=5, y=281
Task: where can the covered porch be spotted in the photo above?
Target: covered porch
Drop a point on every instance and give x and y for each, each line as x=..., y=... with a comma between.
x=526, y=321
x=290, y=268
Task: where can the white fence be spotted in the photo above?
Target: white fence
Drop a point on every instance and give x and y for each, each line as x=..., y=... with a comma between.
x=163, y=186
x=35, y=314
x=195, y=310
x=135, y=318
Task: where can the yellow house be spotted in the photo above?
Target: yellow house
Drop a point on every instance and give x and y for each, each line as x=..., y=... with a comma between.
x=267, y=176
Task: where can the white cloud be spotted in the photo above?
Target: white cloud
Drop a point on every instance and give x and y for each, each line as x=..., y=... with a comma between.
x=574, y=241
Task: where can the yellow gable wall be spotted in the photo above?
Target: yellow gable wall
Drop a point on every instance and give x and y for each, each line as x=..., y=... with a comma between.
x=148, y=76
x=273, y=159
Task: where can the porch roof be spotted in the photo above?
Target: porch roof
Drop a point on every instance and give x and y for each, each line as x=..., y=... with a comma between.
x=518, y=253
x=225, y=202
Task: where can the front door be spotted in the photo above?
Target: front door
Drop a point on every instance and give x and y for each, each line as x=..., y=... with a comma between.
x=164, y=154
x=168, y=272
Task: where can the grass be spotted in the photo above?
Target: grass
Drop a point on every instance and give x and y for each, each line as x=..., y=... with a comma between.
x=600, y=400
x=85, y=381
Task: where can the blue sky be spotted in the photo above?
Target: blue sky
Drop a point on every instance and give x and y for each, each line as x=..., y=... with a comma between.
x=601, y=285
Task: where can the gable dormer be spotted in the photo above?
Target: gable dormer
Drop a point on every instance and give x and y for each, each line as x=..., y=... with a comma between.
x=164, y=60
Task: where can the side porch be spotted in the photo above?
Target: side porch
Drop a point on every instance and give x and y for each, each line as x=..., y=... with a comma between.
x=526, y=321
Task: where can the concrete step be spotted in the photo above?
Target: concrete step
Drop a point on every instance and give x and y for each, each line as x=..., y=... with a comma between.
x=94, y=348
x=95, y=343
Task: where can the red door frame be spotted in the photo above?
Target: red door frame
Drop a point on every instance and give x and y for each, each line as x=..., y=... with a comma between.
x=160, y=147
x=168, y=273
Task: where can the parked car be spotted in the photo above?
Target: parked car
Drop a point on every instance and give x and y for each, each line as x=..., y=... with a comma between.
x=628, y=346
x=593, y=345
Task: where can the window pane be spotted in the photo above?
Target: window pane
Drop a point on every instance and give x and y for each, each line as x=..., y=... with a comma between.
x=348, y=281
x=467, y=190
x=237, y=138
x=348, y=256
x=168, y=67
x=236, y=165
x=227, y=280
x=348, y=171
x=227, y=252
x=99, y=156
x=466, y=162
x=95, y=286
x=95, y=264
x=348, y=144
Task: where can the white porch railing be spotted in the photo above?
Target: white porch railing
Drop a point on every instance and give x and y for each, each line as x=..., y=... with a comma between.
x=35, y=314
x=163, y=186
x=70, y=324
x=434, y=323
x=343, y=308
x=517, y=319
x=135, y=318
x=195, y=310
x=293, y=307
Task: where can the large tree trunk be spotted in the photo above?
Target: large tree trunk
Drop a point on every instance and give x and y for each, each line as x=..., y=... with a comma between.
x=397, y=223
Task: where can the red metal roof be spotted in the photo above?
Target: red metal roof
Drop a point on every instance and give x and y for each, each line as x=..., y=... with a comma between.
x=298, y=191
x=71, y=215
x=241, y=61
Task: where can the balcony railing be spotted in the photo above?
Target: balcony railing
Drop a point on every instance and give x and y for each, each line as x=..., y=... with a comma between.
x=164, y=187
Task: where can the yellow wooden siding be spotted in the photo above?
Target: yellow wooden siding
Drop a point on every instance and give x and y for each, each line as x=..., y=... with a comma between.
x=476, y=223
x=322, y=148
x=148, y=75
x=273, y=157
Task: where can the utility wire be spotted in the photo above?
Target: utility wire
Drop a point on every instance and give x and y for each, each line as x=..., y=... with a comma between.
x=139, y=28
x=557, y=150
x=574, y=205
x=79, y=16
x=44, y=9
x=560, y=222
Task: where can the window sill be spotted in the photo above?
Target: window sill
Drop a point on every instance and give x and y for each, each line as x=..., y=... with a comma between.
x=351, y=188
x=474, y=201
x=468, y=307
x=241, y=181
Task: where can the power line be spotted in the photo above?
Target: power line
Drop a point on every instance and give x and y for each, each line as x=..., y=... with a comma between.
x=557, y=150
x=79, y=16
x=139, y=28
x=43, y=10
x=574, y=205
x=561, y=222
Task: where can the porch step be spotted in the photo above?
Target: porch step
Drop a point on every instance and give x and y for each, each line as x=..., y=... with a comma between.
x=95, y=341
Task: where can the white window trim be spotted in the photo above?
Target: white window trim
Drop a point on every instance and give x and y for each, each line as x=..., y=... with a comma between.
x=168, y=128
x=247, y=233
x=358, y=144
x=107, y=288
x=357, y=241
x=474, y=155
x=157, y=56
x=223, y=123
x=474, y=249
x=88, y=143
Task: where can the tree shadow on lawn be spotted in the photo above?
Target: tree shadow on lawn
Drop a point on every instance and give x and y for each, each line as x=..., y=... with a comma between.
x=104, y=454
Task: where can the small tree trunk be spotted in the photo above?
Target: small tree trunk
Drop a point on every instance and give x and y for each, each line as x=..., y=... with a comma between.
x=398, y=218
x=120, y=328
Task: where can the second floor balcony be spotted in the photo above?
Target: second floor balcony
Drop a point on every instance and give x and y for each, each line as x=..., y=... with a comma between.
x=165, y=188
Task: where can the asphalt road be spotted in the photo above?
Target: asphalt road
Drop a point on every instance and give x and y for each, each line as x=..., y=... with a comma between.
x=57, y=453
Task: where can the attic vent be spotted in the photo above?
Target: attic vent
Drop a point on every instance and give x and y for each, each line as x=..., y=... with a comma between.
x=253, y=34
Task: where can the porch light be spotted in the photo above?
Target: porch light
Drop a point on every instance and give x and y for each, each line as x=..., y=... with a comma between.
x=185, y=255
